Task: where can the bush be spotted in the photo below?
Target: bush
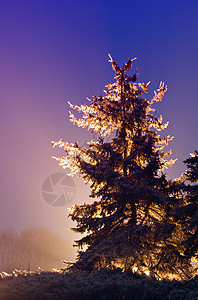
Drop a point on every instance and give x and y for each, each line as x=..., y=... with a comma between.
x=103, y=284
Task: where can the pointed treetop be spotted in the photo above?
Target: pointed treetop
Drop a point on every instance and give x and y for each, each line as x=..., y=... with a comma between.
x=125, y=68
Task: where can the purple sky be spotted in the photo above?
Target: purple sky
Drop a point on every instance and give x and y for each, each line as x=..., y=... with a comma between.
x=55, y=51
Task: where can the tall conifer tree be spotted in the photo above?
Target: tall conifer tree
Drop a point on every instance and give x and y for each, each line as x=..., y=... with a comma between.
x=129, y=224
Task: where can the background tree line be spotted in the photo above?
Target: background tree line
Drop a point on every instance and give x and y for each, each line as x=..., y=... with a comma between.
x=30, y=249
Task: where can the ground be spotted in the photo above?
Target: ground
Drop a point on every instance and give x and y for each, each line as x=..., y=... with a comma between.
x=104, y=284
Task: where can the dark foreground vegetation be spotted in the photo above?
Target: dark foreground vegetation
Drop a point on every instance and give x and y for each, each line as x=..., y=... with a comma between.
x=103, y=284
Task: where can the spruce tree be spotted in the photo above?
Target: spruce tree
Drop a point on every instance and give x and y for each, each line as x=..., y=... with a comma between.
x=188, y=207
x=129, y=224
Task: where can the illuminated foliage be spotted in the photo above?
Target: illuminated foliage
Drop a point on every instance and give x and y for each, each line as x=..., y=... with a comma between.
x=130, y=223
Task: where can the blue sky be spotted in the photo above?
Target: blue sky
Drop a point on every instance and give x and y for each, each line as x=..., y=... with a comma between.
x=55, y=51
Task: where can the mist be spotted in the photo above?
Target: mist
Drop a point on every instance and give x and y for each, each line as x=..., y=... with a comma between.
x=32, y=248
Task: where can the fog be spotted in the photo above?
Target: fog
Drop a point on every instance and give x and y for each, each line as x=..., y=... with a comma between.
x=31, y=249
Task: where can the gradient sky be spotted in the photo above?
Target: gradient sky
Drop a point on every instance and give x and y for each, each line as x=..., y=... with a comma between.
x=55, y=51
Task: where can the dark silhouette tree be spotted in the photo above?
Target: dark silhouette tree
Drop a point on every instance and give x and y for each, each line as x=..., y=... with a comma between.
x=187, y=213
x=130, y=223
